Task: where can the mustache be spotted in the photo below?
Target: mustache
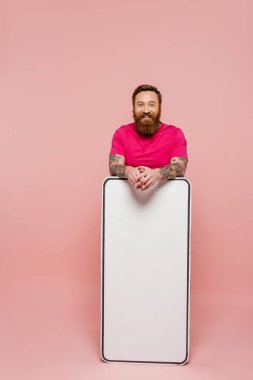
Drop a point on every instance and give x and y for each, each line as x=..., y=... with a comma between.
x=147, y=114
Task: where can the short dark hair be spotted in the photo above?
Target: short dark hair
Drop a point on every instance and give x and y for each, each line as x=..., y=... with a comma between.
x=147, y=87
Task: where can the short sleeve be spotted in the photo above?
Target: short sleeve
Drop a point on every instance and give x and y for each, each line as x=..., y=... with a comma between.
x=117, y=144
x=179, y=148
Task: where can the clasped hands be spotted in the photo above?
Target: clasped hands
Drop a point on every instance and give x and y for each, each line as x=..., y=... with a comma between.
x=143, y=177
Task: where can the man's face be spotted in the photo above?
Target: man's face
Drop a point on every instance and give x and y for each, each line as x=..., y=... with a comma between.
x=146, y=112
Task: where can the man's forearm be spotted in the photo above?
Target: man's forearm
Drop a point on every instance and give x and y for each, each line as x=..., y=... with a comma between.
x=171, y=171
x=176, y=168
x=118, y=170
x=116, y=166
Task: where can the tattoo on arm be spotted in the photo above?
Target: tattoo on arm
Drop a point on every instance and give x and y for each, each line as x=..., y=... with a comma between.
x=116, y=168
x=175, y=169
x=183, y=159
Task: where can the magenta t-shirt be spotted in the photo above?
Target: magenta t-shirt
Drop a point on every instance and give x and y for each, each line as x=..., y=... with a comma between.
x=153, y=151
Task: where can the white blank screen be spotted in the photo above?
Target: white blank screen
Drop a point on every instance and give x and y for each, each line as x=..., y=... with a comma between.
x=145, y=272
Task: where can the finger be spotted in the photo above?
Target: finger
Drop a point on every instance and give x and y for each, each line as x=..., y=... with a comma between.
x=138, y=176
x=145, y=179
x=138, y=185
x=131, y=179
x=142, y=169
x=135, y=175
x=135, y=179
x=149, y=184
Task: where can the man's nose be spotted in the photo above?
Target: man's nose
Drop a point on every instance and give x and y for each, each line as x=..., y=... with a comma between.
x=146, y=108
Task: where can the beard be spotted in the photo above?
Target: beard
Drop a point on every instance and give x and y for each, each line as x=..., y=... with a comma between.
x=147, y=124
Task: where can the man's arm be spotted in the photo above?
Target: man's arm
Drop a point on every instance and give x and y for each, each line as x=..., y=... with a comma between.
x=118, y=168
x=117, y=165
x=176, y=168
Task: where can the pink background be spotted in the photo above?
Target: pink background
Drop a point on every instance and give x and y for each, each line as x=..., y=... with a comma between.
x=68, y=70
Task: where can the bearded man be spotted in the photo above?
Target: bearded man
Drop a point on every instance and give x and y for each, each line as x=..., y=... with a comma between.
x=148, y=150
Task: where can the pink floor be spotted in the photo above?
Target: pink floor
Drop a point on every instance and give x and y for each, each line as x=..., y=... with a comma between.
x=50, y=330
